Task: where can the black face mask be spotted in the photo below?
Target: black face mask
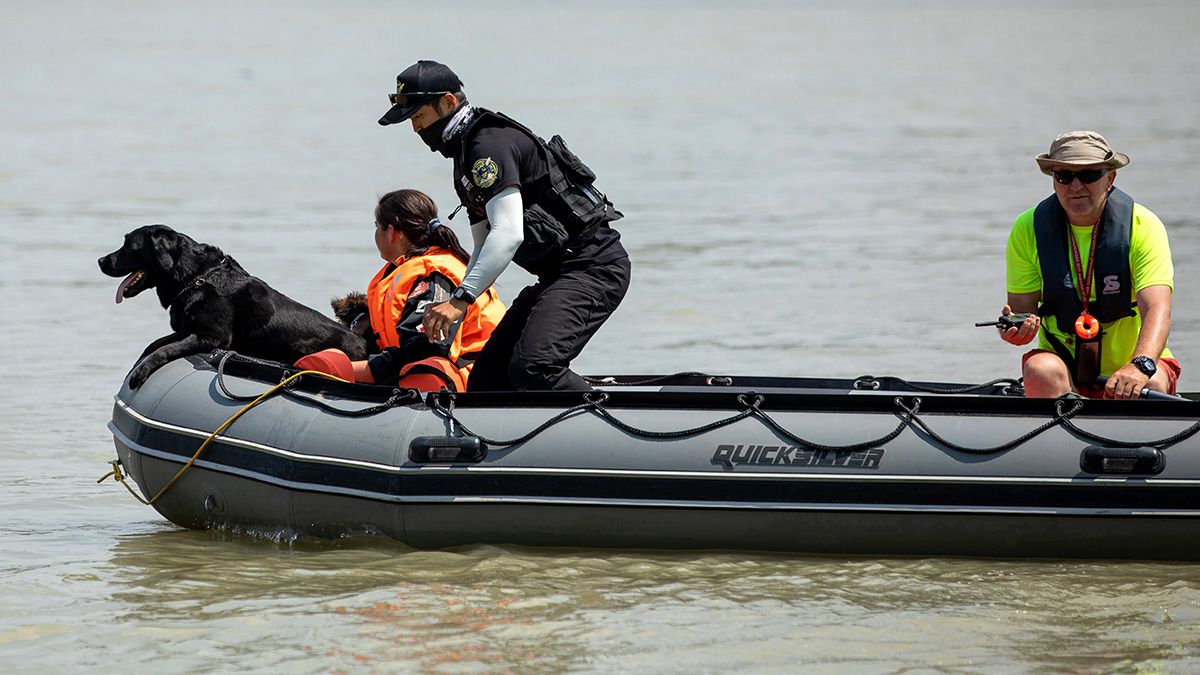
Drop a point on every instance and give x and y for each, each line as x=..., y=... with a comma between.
x=432, y=134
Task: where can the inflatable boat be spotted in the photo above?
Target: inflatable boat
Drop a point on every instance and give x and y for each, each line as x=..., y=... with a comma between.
x=874, y=465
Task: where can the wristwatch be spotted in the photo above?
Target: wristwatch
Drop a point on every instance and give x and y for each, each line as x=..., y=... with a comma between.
x=1145, y=364
x=461, y=293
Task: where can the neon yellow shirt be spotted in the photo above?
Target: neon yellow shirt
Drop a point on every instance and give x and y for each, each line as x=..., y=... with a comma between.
x=1150, y=265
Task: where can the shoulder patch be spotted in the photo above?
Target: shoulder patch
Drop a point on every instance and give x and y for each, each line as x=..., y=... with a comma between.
x=484, y=172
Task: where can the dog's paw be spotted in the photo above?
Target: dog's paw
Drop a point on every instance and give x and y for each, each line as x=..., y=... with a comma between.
x=139, y=376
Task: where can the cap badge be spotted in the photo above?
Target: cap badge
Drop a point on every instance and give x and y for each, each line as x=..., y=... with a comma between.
x=484, y=172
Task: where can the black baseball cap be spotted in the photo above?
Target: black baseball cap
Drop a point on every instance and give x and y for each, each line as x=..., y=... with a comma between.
x=419, y=84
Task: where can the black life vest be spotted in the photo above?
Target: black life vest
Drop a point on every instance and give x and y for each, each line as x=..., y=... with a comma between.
x=564, y=215
x=1111, y=275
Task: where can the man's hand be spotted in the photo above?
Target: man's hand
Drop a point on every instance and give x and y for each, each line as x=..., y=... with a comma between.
x=1127, y=382
x=440, y=317
x=1025, y=333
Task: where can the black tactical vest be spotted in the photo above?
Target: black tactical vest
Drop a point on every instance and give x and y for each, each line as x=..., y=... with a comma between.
x=1111, y=275
x=564, y=215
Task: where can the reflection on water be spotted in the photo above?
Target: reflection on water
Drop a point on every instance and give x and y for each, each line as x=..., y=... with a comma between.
x=810, y=188
x=374, y=603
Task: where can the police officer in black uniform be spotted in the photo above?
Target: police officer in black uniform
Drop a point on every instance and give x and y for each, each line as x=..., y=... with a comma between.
x=533, y=203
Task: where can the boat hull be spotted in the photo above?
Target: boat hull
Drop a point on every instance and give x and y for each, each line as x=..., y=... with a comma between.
x=289, y=465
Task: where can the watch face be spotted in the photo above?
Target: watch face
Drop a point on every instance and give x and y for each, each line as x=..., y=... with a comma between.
x=1145, y=364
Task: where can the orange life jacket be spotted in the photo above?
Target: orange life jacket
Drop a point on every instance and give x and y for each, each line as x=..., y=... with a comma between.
x=388, y=293
x=433, y=374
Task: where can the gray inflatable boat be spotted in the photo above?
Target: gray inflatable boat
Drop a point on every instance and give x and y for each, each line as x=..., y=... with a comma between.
x=866, y=466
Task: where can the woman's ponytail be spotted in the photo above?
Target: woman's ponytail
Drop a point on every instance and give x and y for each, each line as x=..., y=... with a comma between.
x=414, y=213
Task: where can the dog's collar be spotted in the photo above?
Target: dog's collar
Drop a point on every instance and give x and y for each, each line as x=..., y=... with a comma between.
x=200, y=280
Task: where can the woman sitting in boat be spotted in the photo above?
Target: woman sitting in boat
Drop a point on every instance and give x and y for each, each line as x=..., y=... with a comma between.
x=425, y=263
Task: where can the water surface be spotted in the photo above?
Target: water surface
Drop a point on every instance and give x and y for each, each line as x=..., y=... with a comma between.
x=809, y=189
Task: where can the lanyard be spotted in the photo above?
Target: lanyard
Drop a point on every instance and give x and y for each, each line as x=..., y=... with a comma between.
x=1086, y=326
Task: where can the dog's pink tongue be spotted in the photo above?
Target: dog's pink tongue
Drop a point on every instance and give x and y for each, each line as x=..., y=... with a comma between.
x=124, y=284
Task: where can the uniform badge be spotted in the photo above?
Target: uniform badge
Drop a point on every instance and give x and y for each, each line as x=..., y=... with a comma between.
x=484, y=172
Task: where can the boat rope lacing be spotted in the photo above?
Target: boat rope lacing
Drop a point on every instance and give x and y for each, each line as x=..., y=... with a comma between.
x=443, y=404
x=1060, y=417
x=1161, y=443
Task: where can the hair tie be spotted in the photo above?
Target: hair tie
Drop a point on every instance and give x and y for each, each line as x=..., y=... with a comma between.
x=434, y=223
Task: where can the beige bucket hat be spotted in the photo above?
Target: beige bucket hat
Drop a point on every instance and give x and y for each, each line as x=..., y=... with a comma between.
x=1080, y=148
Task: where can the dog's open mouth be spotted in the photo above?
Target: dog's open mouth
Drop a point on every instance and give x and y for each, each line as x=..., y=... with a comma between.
x=130, y=286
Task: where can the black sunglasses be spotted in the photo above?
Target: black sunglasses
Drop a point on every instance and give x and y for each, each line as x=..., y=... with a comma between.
x=414, y=97
x=1087, y=176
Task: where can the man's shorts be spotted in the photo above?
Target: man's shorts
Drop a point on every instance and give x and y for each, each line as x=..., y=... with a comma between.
x=1170, y=365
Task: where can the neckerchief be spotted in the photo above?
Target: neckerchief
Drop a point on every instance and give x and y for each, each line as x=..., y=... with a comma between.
x=458, y=122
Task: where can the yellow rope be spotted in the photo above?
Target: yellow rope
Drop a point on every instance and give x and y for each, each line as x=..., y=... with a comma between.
x=116, y=463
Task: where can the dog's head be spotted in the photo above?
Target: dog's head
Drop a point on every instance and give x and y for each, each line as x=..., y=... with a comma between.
x=148, y=257
x=352, y=312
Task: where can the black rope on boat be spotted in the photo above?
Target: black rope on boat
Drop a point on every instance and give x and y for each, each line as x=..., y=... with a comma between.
x=447, y=411
x=1161, y=443
x=593, y=401
x=873, y=383
x=909, y=416
x=443, y=403
x=663, y=435
x=1060, y=417
x=398, y=398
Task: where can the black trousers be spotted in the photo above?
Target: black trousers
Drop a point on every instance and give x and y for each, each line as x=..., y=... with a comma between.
x=546, y=327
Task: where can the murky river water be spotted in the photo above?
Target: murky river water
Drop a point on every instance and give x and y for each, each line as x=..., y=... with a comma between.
x=810, y=189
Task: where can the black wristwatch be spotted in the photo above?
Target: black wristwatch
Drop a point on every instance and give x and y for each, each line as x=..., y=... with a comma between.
x=461, y=293
x=1145, y=364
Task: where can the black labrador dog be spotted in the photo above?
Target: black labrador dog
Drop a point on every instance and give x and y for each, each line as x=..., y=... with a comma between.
x=215, y=304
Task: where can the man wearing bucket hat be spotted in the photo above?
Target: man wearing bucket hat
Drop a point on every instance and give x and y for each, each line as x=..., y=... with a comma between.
x=532, y=203
x=1089, y=235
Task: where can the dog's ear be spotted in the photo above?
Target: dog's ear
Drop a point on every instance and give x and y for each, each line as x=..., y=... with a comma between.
x=164, y=245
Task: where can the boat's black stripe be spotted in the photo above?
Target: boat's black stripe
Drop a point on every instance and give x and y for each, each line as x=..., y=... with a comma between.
x=805, y=491
x=732, y=489
x=258, y=461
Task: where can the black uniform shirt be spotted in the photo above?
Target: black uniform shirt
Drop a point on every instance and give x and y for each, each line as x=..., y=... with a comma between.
x=501, y=157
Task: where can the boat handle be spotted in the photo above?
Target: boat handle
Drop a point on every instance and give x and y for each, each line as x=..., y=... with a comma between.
x=1109, y=460
x=447, y=450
